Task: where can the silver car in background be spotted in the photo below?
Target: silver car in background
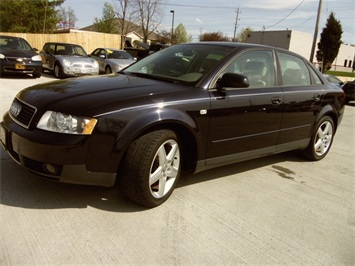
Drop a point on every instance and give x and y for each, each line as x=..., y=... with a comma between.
x=112, y=60
x=67, y=60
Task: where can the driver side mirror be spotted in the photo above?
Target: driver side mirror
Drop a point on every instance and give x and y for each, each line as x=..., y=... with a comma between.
x=232, y=80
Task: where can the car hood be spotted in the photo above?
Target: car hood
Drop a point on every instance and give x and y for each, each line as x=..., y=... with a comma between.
x=92, y=96
x=8, y=52
x=76, y=59
x=124, y=62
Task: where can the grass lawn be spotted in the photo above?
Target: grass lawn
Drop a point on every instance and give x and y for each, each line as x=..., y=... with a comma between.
x=341, y=74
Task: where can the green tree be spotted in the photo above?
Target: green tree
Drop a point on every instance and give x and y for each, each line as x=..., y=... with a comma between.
x=38, y=16
x=329, y=44
x=244, y=34
x=214, y=36
x=108, y=22
x=180, y=34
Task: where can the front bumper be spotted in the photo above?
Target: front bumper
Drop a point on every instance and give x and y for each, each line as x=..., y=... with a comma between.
x=21, y=68
x=79, y=71
x=64, y=162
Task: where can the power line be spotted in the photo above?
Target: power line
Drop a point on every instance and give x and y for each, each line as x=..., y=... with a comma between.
x=285, y=17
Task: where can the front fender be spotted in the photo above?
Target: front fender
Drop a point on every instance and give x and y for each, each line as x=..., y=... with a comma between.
x=116, y=133
x=154, y=119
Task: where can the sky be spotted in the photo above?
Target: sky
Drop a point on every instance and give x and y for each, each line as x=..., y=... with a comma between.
x=202, y=16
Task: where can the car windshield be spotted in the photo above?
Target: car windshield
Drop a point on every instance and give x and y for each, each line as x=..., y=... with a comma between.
x=15, y=43
x=64, y=49
x=118, y=55
x=180, y=63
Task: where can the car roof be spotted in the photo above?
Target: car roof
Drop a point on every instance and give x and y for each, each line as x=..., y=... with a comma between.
x=113, y=49
x=62, y=43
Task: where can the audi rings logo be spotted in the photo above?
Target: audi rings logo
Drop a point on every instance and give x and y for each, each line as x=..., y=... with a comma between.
x=15, y=109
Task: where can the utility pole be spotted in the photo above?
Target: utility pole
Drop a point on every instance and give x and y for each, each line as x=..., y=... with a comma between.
x=236, y=24
x=316, y=32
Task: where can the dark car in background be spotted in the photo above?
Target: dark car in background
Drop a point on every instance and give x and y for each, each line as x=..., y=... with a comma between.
x=18, y=57
x=190, y=107
x=67, y=60
x=349, y=90
x=112, y=60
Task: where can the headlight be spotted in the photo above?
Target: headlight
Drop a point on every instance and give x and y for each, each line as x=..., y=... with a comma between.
x=96, y=64
x=36, y=58
x=2, y=56
x=66, y=62
x=63, y=123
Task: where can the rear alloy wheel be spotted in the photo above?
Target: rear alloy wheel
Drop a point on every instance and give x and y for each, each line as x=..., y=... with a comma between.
x=321, y=140
x=151, y=168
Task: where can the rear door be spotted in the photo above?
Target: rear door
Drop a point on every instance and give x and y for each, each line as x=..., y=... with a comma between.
x=303, y=92
x=245, y=122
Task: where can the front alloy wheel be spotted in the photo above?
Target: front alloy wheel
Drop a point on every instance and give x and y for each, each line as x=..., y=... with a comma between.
x=322, y=139
x=151, y=168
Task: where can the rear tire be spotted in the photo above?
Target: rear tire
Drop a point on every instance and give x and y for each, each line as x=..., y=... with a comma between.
x=321, y=141
x=151, y=168
x=37, y=75
x=108, y=70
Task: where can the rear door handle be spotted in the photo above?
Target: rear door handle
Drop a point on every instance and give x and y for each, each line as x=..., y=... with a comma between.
x=316, y=97
x=276, y=100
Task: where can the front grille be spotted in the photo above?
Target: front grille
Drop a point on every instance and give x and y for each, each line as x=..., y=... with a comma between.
x=22, y=113
x=18, y=59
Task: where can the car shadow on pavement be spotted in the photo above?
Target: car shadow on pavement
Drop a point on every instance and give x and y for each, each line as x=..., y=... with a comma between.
x=20, y=188
x=23, y=76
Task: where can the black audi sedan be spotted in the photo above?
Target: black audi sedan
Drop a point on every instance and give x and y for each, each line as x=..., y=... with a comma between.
x=188, y=107
x=18, y=57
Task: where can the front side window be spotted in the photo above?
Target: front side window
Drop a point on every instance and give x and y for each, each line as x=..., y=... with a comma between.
x=257, y=66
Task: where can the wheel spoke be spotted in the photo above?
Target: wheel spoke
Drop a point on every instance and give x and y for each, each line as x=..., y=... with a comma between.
x=320, y=133
x=162, y=156
x=327, y=130
x=172, y=153
x=318, y=145
x=162, y=187
x=156, y=176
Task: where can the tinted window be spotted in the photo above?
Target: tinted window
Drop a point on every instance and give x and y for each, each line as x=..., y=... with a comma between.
x=15, y=43
x=257, y=66
x=186, y=63
x=294, y=70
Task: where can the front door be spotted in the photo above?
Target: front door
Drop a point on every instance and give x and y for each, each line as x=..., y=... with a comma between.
x=245, y=122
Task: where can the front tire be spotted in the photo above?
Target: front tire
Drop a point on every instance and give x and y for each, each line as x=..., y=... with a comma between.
x=58, y=71
x=151, y=168
x=321, y=141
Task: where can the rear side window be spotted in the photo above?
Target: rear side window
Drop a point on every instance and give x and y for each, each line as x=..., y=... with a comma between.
x=294, y=70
